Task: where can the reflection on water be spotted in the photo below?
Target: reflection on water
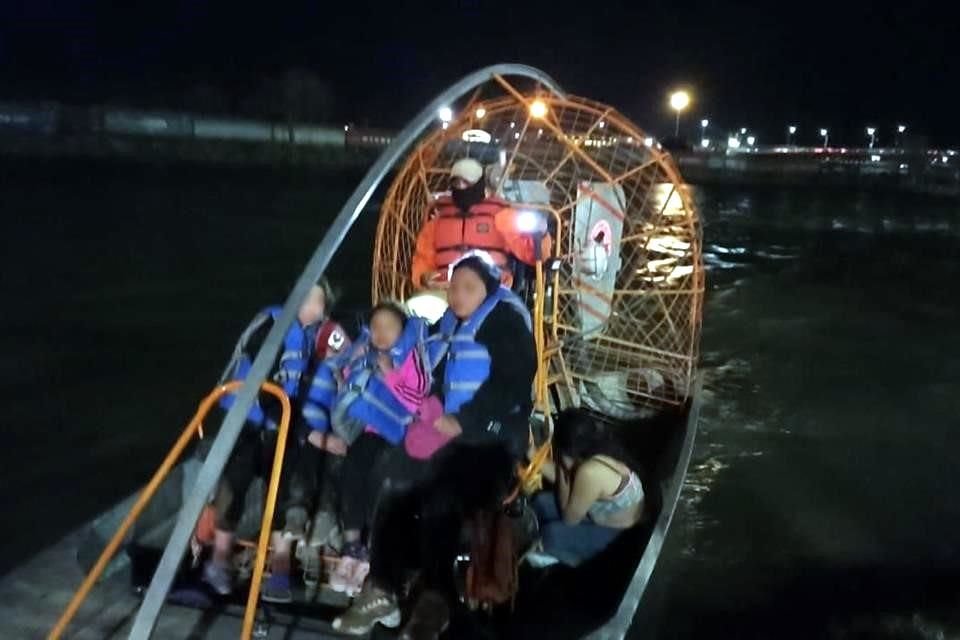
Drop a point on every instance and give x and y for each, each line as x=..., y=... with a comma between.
x=816, y=504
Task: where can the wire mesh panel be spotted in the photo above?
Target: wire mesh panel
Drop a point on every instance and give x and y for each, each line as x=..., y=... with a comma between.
x=625, y=283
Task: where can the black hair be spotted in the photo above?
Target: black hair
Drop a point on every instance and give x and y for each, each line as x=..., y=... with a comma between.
x=488, y=273
x=391, y=306
x=580, y=436
x=329, y=297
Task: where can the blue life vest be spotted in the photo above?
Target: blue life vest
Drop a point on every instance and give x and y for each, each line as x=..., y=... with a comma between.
x=468, y=362
x=364, y=400
x=294, y=360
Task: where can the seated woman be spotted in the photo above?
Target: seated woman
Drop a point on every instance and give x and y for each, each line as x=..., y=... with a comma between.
x=383, y=381
x=485, y=361
x=253, y=453
x=597, y=493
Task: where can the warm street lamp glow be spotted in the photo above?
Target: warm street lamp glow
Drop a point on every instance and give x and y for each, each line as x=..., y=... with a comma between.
x=480, y=112
x=679, y=100
x=445, y=114
x=538, y=109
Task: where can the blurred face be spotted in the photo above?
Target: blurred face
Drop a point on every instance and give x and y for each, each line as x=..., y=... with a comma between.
x=385, y=329
x=313, y=308
x=466, y=293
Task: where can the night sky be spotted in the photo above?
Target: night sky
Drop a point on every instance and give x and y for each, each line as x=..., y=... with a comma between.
x=840, y=64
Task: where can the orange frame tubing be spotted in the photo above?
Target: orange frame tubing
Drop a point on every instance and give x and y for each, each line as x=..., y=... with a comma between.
x=152, y=486
x=266, y=524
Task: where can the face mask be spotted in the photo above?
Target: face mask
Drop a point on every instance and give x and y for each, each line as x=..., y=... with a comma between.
x=466, y=198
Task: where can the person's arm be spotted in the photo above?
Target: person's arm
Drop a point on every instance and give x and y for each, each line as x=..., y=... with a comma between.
x=549, y=472
x=584, y=492
x=513, y=364
x=424, y=259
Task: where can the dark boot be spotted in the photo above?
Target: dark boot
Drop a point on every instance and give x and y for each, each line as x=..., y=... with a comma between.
x=430, y=618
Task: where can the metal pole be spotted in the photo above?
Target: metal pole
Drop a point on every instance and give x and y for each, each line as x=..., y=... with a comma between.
x=153, y=600
x=676, y=130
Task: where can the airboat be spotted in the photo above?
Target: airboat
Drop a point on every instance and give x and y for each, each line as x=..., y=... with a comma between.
x=617, y=313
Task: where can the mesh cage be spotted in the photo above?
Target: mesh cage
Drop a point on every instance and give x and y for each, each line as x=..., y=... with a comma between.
x=624, y=290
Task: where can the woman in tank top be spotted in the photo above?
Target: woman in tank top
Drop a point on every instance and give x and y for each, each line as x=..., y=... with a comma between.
x=595, y=495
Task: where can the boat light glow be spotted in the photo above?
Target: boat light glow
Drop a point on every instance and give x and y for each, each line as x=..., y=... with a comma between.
x=538, y=109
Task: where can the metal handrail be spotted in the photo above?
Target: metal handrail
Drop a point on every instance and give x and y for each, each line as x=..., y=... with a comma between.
x=150, y=490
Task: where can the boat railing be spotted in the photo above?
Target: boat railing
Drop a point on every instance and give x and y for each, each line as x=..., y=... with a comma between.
x=193, y=428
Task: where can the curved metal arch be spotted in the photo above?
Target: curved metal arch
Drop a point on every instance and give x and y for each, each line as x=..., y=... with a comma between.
x=223, y=444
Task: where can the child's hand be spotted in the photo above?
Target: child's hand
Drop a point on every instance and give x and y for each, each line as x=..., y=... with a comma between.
x=328, y=442
x=448, y=425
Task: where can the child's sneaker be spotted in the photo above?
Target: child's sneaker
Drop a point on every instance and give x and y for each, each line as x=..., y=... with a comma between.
x=218, y=577
x=277, y=589
x=351, y=571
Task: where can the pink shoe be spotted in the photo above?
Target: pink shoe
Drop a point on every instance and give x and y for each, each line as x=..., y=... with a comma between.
x=341, y=577
x=355, y=582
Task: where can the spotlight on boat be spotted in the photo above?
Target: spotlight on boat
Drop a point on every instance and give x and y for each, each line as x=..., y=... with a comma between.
x=530, y=222
x=538, y=109
x=480, y=112
x=428, y=305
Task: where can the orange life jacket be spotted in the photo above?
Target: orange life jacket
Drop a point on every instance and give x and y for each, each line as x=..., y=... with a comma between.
x=455, y=233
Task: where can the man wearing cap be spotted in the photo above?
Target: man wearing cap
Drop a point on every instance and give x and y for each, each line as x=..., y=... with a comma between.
x=469, y=220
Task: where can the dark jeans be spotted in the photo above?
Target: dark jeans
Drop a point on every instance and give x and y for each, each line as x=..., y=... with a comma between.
x=424, y=522
x=570, y=544
x=361, y=481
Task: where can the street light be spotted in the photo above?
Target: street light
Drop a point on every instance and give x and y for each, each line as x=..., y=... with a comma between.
x=480, y=112
x=901, y=128
x=445, y=114
x=751, y=140
x=871, y=131
x=743, y=131
x=826, y=137
x=679, y=100
x=792, y=129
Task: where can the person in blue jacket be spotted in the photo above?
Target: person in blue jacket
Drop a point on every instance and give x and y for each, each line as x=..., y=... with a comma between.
x=484, y=360
x=253, y=453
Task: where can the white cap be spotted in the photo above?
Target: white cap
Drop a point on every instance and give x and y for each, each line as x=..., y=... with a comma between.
x=468, y=169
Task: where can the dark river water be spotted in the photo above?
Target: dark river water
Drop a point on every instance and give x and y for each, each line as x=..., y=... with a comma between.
x=820, y=500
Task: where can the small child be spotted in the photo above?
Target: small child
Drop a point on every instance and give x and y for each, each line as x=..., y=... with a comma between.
x=385, y=382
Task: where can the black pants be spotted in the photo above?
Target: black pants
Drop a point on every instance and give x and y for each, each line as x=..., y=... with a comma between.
x=252, y=457
x=425, y=521
x=361, y=481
